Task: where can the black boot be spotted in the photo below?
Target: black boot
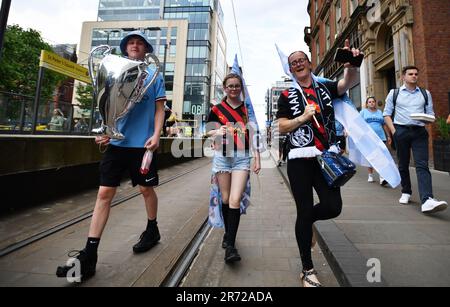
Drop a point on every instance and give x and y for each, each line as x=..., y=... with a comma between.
x=87, y=265
x=231, y=255
x=148, y=239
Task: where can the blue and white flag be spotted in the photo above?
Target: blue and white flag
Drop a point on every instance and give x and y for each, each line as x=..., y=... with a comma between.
x=248, y=102
x=365, y=147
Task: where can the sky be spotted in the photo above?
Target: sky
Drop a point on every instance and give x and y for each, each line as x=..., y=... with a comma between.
x=260, y=23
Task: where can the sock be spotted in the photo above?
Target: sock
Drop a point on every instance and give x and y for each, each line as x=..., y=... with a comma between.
x=92, y=246
x=225, y=209
x=234, y=217
x=151, y=224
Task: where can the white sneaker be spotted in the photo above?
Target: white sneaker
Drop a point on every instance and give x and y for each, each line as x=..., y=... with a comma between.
x=370, y=179
x=404, y=200
x=433, y=205
x=383, y=182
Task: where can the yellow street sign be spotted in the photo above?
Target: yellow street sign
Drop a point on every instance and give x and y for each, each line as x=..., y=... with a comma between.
x=59, y=64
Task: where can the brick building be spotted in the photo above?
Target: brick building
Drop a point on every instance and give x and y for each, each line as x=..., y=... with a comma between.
x=392, y=34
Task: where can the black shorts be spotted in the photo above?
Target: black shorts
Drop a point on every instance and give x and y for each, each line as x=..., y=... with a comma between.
x=117, y=160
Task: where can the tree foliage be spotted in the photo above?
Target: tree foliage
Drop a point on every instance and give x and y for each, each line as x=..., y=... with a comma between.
x=84, y=96
x=19, y=65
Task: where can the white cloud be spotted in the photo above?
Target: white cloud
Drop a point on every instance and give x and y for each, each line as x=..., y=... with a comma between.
x=58, y=21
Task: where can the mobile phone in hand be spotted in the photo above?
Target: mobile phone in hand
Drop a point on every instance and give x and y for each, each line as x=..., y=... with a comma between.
x=346, y=56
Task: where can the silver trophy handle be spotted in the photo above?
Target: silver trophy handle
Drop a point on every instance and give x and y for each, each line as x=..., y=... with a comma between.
x=107, y=50
x=147, y=60
x=140, y=92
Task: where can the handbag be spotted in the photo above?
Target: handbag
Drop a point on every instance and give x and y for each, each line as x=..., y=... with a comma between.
x=336, y=169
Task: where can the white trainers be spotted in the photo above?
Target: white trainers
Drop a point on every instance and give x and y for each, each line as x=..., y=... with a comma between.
x=404, y=200
x=433, y=205
x=383, y=182
x=370, y=179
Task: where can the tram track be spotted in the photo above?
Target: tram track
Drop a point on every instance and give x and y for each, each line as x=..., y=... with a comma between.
x=73, y=221
x=182, y=266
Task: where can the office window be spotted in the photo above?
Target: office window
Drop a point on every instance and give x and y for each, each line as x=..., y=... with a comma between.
x=338, y=16
x=353, y=5
x=389, y=42
x=355, y=96
x=197, y=52
x=196, y=70
x=327, y=34
x=318, y=51
x=316, y=8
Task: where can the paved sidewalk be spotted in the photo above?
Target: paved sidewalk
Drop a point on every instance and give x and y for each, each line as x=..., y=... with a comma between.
x=266, y=242
x=413, y=249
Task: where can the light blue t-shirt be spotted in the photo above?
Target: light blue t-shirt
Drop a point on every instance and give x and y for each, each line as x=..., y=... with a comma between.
x=139, y=124
x=375, y=121
x=408, y=102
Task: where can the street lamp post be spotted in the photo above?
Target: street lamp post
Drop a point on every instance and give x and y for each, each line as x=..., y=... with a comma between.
x=3, y=21
x=211, y=85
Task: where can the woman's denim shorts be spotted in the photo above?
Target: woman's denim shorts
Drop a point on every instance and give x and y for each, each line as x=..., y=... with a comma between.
x=240, y=162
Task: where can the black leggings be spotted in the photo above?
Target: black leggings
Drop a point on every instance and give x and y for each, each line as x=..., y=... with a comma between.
x=304, y=175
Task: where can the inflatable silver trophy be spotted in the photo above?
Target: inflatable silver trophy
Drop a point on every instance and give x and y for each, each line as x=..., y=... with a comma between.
x=118, y=86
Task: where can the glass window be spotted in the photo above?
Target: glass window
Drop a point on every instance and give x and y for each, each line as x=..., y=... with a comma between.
x=316, y=9
x=338, y=16
x=353, y=5
x=327, y=34
x=355, y=96
x=198, y=34
x=389, y=41
x=173, y=50
x=174, y=32
x=196, y=70
x=129, y=10
x=318, y=51
x=197, y=52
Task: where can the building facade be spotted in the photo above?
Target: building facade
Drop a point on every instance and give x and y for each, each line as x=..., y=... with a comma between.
x=64, y=92
x=272, y=98
x=392, y=34
x=188, y=38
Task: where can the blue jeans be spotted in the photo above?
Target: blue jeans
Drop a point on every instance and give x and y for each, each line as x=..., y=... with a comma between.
x=415, y=138
x=239, y=162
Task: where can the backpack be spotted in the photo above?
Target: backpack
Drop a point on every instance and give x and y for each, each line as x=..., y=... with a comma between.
x=397, y=91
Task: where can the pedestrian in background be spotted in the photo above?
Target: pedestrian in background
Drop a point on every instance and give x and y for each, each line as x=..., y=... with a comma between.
x=411, y=135
x=57, y=121
x=375, y=119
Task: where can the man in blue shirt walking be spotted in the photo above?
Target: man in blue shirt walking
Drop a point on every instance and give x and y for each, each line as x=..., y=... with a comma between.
x=410, y=134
